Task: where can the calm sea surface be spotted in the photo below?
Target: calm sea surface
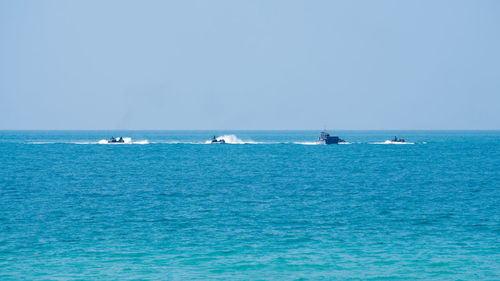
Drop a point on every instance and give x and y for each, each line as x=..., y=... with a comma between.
x=271, y=205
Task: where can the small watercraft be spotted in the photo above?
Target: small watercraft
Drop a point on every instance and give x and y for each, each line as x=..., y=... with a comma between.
x=395, y=139
x=113, y=140
x=215, y=140
x=325, y=138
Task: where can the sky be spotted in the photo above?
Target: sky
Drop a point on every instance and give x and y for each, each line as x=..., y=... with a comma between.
x=250, y=65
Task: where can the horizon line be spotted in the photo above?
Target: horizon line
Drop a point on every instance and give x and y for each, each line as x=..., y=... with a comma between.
x=249, y=129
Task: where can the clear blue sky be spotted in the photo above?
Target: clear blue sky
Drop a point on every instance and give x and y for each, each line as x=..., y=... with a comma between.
x=250, y=64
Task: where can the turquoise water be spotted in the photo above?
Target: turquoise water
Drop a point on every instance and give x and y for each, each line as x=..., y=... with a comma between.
x=272, y=207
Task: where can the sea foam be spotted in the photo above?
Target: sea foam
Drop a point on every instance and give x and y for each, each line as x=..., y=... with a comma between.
x=232, y=139
x=126, y=141
x=392, y=142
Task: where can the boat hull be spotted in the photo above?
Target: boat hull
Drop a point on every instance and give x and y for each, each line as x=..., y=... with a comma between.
x=333, y=140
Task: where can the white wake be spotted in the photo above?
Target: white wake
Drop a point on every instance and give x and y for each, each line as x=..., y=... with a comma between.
x=392, y=142
x=232, y=139
x=126, y=141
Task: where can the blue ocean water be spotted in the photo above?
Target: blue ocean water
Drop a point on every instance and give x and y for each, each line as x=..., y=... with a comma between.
x=269, y=206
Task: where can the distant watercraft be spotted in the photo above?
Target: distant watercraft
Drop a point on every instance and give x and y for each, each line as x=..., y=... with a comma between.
x=215, y=140
x=113, y=140
x=325, y=138
x=395, y=139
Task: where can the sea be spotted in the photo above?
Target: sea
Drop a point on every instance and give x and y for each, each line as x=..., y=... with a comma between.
x=267, y=205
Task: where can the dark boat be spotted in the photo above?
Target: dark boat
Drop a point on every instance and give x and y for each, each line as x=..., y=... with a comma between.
x=395, y=139
x=215, y=140
x=327, y=139
x=113, y=140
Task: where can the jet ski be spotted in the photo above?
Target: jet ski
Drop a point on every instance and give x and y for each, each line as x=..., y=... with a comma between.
x=113, y=140
x=325, y=138
x=395, y=139
x=215, y=140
